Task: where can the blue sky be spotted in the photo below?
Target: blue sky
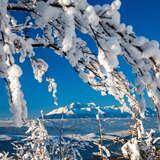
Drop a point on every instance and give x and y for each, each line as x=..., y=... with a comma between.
x=143, y=15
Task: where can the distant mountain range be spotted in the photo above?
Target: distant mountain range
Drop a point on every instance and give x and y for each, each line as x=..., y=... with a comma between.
x=89, y=110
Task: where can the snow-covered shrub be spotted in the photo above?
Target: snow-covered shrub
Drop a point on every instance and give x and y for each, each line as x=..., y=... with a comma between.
x=38, y=145
x=131, y=150
x=103, y=151
x=34, y=146
x=63, y=148
x=4, y=156
x=66, y=149
x=143, y=148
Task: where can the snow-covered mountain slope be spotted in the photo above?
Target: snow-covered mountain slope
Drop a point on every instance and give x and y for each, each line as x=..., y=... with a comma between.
x=78, y=110
x=64, y=110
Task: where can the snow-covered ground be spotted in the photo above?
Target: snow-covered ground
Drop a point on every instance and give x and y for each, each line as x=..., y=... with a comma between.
x=80, y=127
x=83, y=129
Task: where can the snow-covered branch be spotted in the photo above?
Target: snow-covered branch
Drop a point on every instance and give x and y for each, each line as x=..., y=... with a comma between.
x=59, y=21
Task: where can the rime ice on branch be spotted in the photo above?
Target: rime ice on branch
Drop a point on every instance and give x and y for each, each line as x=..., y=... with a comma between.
x=59, y=20
x=39, y=68
x=8, y=70
x=52, y=88
x=35, y=144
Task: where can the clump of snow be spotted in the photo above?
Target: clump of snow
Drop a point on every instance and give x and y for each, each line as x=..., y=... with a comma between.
x=65, y=2
x=3, y=7
x=116, y=18
x=140, y=41
x=26, y=50
x=81, y=4
x=69, y=30
x=14, y=72
x=3, y=66
x=129, y=29
x=151, y=49
x=39, y=68
x=108, y=59
x=131, y=150
x=17, y=102
x=116, y=4
x=48, y=11
x=91, y=15
x=6, y=49
x=102, y=59
x=52, y=88
x=114, y=46
x=122, y=28
x=110, y=12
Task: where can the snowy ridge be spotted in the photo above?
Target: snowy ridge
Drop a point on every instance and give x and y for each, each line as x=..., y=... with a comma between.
x=79, y=110
x=60, y=110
